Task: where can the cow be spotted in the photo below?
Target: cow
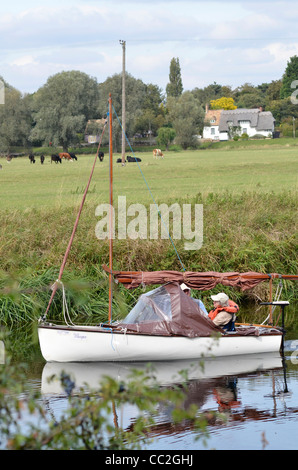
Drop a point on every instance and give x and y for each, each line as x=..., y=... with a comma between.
x=73, y=156
x=56, y=159
x=66, y=156
x=0, y=167
x=31, y=158
x=157, y=153
x=132, y=159
x=42, y=159
x=100, y=156
x=9, y=158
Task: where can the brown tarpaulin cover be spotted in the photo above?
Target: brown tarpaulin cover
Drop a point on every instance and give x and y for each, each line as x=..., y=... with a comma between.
x=182, y=316
x=195, y=280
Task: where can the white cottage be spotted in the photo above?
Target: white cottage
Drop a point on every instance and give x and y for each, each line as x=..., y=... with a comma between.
x=222, y=125
x=211, y=127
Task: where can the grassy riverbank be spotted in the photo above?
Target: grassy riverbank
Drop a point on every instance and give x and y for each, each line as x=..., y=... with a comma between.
x=249, y=203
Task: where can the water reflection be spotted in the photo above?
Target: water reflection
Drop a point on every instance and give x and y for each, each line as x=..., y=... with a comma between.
x=166, y=373
x=221, y=385
x=255, y=394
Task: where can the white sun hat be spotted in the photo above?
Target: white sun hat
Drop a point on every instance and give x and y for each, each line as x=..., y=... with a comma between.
x=221, y=297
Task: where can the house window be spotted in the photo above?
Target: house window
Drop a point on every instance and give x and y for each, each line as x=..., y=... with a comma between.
x=244, y=130
x=212, y=130
x=212, y=121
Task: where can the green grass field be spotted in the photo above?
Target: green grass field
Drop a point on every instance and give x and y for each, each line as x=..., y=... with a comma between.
x=178, y=175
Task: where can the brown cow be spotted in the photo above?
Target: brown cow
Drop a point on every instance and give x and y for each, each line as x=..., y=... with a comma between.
x=157, y=153
x=66, y=156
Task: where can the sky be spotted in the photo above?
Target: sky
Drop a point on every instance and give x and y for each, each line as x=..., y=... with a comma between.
x=227, y=42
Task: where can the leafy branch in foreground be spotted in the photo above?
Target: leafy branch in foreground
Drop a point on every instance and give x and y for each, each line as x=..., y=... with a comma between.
x=89, y=421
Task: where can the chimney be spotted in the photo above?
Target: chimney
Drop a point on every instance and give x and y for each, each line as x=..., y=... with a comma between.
x=207, y=107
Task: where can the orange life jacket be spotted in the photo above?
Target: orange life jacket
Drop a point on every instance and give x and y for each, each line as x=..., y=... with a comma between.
x=232, y=308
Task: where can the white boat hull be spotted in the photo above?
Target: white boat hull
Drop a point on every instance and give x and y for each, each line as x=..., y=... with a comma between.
x=75, y=344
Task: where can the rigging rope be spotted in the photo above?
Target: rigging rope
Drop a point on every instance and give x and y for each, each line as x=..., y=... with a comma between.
x=155, y=203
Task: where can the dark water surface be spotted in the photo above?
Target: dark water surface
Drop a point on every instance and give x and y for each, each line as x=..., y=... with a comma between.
x=256, y=394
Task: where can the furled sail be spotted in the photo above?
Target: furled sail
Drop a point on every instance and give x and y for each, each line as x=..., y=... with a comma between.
x=195, y=280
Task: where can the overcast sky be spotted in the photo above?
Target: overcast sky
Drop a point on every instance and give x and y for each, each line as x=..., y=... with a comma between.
x=228, y=42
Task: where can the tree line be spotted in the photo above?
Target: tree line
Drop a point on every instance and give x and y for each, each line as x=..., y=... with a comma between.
x=58, y=112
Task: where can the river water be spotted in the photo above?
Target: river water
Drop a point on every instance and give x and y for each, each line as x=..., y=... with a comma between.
x=256, y=394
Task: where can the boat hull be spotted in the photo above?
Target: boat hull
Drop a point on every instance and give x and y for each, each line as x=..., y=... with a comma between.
x=75, y=344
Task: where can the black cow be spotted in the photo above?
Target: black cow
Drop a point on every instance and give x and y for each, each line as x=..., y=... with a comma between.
x=56, y=159
x=31, y=158
x=100, y=156
x=73, y=156
x=132, y=159
x=41, y=159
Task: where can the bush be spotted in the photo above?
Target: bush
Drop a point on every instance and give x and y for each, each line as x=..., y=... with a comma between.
x=258, y=136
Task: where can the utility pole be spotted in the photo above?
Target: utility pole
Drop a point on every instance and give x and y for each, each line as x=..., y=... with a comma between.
x=123, y=101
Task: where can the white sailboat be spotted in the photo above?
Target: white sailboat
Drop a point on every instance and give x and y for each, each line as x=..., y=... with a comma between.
x=165, y=324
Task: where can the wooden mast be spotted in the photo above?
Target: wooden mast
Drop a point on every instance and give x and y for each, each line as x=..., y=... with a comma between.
x=111, y=209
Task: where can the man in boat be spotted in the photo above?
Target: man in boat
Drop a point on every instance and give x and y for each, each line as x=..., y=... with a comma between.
x=224, y=312
x=186, y=291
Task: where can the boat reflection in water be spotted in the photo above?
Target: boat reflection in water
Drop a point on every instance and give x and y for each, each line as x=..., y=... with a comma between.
x=166, y=373
x=214, y=387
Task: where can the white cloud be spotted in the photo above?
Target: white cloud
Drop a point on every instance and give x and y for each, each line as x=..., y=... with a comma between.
x=24, y=61
x=228, y=42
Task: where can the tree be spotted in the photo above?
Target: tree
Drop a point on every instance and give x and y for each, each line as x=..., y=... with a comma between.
x=15, y=119
x=282, y=109
x=144, y=109
x=174, y=88
x=273, y=91
x=291, y=74
x=153, y=98
x=249, y=96
x=152, y=111
x=223, y=103
x=63, y=106
x=135, y=93
x=165, y=137
x=211, y=92
x=187, y=116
